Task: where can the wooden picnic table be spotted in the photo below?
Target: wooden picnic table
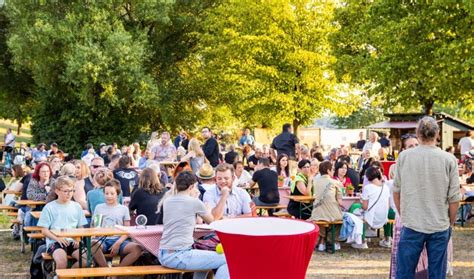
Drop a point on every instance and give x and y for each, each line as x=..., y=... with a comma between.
x=306, y=202
x=30, y=203
x=37, y=214
x=86, y=234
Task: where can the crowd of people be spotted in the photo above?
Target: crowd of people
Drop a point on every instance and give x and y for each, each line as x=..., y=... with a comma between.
x=211, y=181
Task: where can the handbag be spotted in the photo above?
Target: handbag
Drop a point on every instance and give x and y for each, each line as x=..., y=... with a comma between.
x=207, y=242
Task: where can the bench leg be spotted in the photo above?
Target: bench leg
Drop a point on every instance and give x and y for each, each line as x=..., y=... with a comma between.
x=333, y=238
x=462, y=215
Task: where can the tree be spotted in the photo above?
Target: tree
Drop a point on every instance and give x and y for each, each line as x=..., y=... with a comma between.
x=270, y=62
x=16, y=87
x=88, y=66
x=408, y=52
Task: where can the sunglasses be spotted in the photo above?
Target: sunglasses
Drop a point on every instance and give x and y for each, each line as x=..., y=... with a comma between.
x=95, y=166
x=408, y=136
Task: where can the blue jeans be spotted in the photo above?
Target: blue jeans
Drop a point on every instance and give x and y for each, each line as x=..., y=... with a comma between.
x=410, y=247
x=190, y=259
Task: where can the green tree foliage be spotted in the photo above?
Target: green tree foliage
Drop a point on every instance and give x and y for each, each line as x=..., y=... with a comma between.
x=16, y=87
x=411, y=53
x=269, y=61
x=90, y=71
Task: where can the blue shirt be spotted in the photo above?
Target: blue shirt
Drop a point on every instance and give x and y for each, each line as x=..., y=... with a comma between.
x=39, y=155
x=250, y=140
x=57, y=216
x=238, y=202
x=96, y=197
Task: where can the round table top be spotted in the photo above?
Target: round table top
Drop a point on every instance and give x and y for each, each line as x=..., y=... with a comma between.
x=262, y=226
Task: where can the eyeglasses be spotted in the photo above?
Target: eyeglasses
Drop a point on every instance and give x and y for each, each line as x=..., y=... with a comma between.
x=408, y=136
x=68, y=191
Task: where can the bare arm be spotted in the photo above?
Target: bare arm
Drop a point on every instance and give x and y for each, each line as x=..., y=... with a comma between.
x=304, y=189
x=396, y=200
x=453, y=209
x=218, y=211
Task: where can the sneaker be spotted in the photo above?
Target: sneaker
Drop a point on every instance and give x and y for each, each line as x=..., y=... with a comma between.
x=360, y=246
x=337, y=246
x=385, y=243
x=321, y=247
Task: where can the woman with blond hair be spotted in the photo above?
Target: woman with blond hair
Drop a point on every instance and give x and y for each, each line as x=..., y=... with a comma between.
x=195, y=155
x=81, y=173
x=145, y=198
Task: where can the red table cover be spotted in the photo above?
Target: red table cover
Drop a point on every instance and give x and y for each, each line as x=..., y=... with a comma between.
x=150, y=236
x=272, y=254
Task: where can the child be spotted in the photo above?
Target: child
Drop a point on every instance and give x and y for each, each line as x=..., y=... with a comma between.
x=64, y=214
x=113, y=214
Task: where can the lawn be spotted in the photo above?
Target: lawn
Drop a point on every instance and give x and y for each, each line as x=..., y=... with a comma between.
x=25, y=135
x=347, y=263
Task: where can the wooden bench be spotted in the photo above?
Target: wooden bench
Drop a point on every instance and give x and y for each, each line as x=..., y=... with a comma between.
x=283, y=214
x=117, y=271
x=329, y=226
x=261, y=208
x=8, y=207
x=462, y=204
x=32, y=229
x=48, y=257
x=36, y=235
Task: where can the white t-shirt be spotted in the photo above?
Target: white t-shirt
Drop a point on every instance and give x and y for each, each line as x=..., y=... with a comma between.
x=374, y=146
x=10, y=137
x=244, y=178
x=466, y=144
x=378, y=214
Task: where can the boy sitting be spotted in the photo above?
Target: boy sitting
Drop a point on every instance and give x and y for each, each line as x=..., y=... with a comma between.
x=113, y=214
x=64, y=214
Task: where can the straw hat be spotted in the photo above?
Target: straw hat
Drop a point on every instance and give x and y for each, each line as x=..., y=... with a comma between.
x=206, y=172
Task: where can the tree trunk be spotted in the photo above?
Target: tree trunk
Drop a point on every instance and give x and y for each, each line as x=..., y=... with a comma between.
x=428, y=106
x=20, y=123
x=296, y=124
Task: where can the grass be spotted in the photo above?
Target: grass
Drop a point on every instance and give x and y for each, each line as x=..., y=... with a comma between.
x=346, y=263
x=25, y=132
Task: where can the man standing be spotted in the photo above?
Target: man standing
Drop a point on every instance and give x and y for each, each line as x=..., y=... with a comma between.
x=9, y=141
x=361, y=142
x=286, y=143
x=247, y=138
x=385, y=142
x=225, y=199
x=372, y=144
x=210, y=147
x=164, y=151
x=426, y=194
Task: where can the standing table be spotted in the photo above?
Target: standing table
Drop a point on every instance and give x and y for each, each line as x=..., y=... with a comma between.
x=267, y=247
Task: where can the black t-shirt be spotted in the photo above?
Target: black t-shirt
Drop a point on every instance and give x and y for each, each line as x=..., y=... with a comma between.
x=360, y=144
x=384, y=142
x=25, y=180
x=285, y=143
x=211, y=150
x=88, y=185
x=354, y=177
x=146, y=203
x=268, y=185
x=128, y=179
x=230, y=157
